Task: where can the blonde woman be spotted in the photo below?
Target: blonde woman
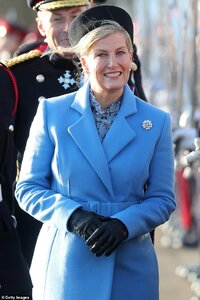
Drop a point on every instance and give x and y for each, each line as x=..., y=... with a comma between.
x=98, y=172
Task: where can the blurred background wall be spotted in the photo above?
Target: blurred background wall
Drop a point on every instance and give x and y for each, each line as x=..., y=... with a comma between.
x=17, y=10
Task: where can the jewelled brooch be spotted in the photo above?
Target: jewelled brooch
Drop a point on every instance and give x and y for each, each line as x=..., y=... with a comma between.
x=147, y=124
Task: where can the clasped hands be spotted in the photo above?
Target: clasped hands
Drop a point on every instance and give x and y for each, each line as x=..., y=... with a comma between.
x=102, y=234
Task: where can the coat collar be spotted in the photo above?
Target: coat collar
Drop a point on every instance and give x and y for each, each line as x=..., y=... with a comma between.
x=81, y=101
x=86, y=136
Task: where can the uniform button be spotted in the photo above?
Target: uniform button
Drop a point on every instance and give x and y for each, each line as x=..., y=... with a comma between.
x=40, y=78
x=41, y=98
x=11, y=128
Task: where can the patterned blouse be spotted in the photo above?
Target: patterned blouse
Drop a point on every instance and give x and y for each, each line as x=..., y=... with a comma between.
x=104, y=117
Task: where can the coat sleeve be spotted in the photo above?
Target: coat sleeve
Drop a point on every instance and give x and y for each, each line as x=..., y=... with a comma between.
x=158, y=202
x=34, y=191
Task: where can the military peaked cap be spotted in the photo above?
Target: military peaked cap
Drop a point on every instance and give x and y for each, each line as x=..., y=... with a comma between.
x=55, y=4
x=91, y=19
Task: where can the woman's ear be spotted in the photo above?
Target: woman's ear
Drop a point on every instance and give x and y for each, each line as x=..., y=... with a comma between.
x=84, y=65
x=131, y=55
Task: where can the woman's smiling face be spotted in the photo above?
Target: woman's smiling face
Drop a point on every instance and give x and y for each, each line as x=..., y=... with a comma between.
x=108, y=64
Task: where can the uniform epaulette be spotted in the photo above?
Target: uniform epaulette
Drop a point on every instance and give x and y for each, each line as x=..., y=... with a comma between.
x=23, y=57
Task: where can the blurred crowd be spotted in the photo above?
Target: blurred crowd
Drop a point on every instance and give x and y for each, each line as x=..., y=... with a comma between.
x=13, y=34
x=183, y=228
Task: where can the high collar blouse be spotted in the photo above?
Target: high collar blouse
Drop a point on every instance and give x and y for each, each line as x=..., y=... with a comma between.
x=104, y=117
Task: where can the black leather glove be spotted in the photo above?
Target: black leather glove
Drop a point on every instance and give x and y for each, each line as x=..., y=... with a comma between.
x=107, y=237
x=84, y=223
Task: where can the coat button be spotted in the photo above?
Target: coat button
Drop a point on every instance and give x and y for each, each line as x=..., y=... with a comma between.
x=11, y=128
x=40, y=78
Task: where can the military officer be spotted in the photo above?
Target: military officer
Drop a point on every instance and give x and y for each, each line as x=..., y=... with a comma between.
x=40, y=76
x=14, y=273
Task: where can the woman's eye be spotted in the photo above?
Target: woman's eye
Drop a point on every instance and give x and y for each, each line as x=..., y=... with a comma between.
x=120, y=52
x=101, y=54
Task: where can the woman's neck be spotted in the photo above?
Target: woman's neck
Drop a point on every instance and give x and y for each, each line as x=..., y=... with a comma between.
x=105, y=99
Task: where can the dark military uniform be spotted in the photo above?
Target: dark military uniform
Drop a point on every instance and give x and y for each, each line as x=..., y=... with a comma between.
x=37, y=77
x=14, y=274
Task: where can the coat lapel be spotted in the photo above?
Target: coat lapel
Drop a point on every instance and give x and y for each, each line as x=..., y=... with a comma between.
x=121, y=133
x=86, y=137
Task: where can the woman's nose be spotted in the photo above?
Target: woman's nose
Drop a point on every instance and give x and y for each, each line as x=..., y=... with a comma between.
x=112, y=60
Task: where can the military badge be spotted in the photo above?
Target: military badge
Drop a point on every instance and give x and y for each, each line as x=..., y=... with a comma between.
x=66, y=80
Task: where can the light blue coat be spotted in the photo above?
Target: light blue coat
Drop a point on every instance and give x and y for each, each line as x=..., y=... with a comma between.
x=66, y=167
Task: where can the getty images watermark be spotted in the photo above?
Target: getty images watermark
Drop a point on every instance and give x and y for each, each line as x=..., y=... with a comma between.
x=15, y=297
x=6, y=296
